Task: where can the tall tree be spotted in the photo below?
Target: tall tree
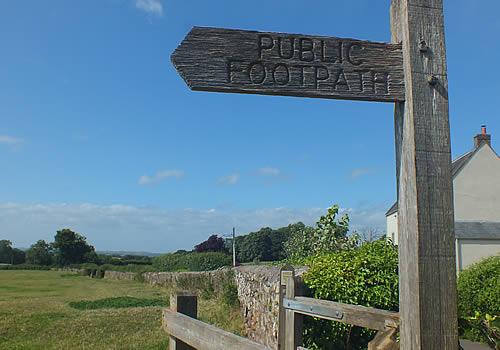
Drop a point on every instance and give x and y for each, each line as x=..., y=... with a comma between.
x=40, y=253
x=5, y=251
x=214, y=243
x=71, y=248
x=9, y=255
x=18, y=256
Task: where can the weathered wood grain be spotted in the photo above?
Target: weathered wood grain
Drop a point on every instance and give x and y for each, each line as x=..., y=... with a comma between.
x=200, y=335
x=292, y=336
x=225, y=60
x=357, y=315
x=425, y=217
x=285, y=272
x=183, y=303
x=384, y=340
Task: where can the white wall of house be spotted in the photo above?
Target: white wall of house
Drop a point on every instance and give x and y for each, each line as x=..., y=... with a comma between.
x=476, y=195
x=470, y=251
x=392, y=228
x=477, y=188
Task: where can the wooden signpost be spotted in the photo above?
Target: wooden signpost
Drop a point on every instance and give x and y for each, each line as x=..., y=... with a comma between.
x=411, y=72
x=226, y=60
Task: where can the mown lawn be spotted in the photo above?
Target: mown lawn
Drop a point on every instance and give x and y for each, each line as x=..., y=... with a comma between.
x=35, y=313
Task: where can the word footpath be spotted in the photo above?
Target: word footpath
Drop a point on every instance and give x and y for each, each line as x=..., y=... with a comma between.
x=225, y=60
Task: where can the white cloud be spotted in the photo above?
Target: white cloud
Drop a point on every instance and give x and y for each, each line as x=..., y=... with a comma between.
x=230, y=179
x=268, y=171
x=125, y=227
x=10, y=140
x=359, y=172
x=160, y=176
x=153, y=7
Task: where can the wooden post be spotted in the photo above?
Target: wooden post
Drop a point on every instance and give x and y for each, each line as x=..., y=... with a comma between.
x=185, y=303
x=384, y=340
x=290, y=322
x=428, y=305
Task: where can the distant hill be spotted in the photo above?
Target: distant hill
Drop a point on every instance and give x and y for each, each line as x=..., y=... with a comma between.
x=125, y=252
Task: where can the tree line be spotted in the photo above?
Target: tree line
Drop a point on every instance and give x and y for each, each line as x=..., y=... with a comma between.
x=68, y=248
x=290, y=242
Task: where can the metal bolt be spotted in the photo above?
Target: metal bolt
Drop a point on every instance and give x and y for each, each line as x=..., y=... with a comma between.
x=433, y=80
x=423, y=46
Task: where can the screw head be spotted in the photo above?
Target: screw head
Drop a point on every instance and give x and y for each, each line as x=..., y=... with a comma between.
x=423, y=46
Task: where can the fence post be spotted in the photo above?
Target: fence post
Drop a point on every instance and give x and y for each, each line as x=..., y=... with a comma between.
x=185, y=303
x=290, y=323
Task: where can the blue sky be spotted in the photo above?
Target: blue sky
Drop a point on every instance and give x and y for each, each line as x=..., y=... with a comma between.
x=98, y=132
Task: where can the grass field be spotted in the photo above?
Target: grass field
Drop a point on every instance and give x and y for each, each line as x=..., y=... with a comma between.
x=35, y=313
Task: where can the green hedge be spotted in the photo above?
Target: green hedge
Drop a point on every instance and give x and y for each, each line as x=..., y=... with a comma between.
x=478, y=296
x=24, y=267
x=367, y=276
x=191, y=261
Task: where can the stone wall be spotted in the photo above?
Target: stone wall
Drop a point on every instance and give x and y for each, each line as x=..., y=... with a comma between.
x=258, y=293
x=207, y=281
x=211, y=281
x=118, y=275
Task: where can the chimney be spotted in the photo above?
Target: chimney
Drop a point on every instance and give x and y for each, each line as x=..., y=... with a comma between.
x=481, y=138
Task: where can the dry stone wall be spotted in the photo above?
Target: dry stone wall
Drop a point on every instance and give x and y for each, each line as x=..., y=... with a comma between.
x=211, y=281
x=258, y=293
x=119, y=275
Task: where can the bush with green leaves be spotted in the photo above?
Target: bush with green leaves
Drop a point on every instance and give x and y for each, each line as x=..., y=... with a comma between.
x=230, y=293
x=367, y=276
x=191, y=261
x=329, y=235
x=479, y=300
x=24, y=267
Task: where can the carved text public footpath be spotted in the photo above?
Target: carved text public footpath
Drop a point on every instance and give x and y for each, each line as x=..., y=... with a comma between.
x=212, y=59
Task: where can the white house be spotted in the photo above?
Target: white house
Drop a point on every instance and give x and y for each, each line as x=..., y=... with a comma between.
x=476, y=192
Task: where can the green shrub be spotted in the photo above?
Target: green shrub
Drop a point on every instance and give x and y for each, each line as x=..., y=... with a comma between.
x=367, y=276
x=207, y=292
x=230, y=293
x=479, y=296
x=111, y=267
x=329, y=235
x=169, y=262
x=207, y=261
x=24, y=267
x=191, y=262
x=116, y=303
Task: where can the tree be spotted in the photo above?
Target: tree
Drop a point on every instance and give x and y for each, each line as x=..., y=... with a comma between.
x=370, y=234
x=40, y=253
x=18, y=256
x=72, y=248
x=329, y=235
x=5, y=251
x=9, y=255
x=214, y=243
x=267, y=244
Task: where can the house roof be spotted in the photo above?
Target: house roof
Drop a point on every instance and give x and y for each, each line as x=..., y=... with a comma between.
x=477, y=229
x=456, y=166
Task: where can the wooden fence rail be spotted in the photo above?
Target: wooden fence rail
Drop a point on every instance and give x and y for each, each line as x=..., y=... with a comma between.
x=292, y=308
x=187, y=333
